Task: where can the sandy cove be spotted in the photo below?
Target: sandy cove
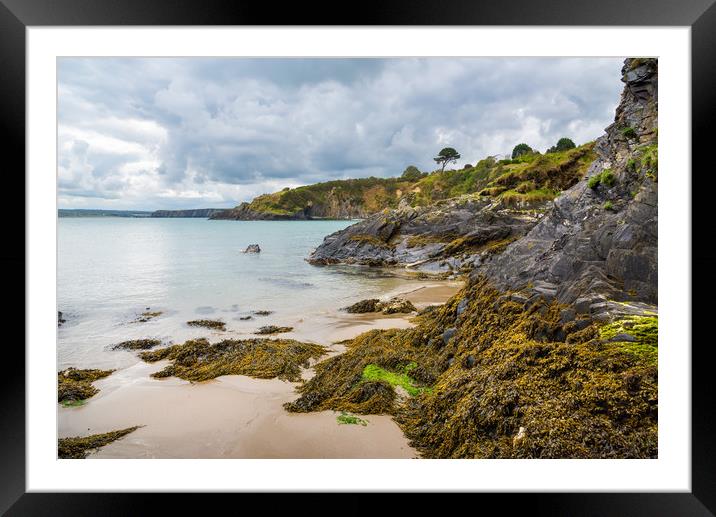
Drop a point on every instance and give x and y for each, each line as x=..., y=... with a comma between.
x=240, y=417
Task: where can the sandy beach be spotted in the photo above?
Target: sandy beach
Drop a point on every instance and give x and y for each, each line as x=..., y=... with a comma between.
x=241, y=417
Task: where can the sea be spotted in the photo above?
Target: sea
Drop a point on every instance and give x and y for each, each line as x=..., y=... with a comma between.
x=111, y=270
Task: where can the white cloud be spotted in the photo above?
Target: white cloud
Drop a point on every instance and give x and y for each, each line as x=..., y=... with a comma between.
x=166, y=133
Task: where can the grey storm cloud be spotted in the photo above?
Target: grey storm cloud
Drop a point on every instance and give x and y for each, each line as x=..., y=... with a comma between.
x=202, y=132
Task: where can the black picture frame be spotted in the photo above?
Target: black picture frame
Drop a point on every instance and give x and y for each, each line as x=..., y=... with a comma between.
x=700, y=15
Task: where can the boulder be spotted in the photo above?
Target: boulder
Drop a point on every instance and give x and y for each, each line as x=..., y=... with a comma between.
x=252, y=248
x=448, y=334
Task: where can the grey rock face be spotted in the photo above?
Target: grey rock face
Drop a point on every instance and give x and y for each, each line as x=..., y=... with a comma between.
x=587, y=252
x=447, y=236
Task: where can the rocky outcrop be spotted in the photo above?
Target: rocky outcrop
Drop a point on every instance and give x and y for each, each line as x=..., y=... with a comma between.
x=252, y=248
x=196, y=212
x=449, y=236
x=393, y=306
x=599, y=242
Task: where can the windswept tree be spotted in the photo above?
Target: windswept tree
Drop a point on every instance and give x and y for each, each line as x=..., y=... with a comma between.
x=563, y=144
x=521, y=149
x=445, y=156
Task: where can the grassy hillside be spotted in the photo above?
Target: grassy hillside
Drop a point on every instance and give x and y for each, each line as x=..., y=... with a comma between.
x=532, y=177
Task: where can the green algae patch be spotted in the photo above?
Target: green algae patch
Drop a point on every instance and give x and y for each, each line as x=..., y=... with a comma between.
x=273, y=329
x=75, y=386
x=198, y=360
x=507, y=380
x=78, y=447
x=209, y=324
x=346, y=418
x=637, y=335
x=137, y=344
x=373, y=372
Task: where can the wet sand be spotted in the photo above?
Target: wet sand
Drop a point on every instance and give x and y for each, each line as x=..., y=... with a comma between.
x=238, y=416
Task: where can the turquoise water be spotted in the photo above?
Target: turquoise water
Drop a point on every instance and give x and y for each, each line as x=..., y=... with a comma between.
x=112, y=269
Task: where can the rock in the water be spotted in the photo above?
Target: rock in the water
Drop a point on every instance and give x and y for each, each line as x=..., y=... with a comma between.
x=252, y=248
x=60, y=319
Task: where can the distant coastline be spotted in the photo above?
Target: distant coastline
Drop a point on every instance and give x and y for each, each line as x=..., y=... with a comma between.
x=203, y=213
x=81, y=212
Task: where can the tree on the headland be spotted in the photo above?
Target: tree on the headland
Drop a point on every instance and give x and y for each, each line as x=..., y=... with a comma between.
x=563, y=144
x=411, y=173
x=521, y=149
x=445, y=156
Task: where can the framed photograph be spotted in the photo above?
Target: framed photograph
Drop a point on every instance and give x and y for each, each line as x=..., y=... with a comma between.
x=416, y=253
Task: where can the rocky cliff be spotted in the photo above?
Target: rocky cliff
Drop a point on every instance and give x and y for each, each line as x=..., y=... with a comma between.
x=599, y=241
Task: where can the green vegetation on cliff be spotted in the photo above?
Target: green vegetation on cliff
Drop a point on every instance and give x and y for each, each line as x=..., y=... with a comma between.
x=529, y=177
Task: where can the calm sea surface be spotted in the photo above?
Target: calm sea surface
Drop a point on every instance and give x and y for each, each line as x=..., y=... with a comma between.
x=112, y=269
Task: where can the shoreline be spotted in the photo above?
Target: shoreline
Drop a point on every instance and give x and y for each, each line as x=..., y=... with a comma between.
x=242, y=417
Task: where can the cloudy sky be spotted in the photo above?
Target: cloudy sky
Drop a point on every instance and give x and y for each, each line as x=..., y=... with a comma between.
x=164, y=133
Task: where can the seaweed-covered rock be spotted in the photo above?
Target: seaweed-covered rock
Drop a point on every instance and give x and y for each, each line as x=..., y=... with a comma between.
x=397, y=306
x=147, y=315
x=210, y=324
x=586, y=398
x=77, y=447
x=363, y=306
x=137, y=344
x=273, y=329
x=199, y=360
x=75, y=385
x=393, y=306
